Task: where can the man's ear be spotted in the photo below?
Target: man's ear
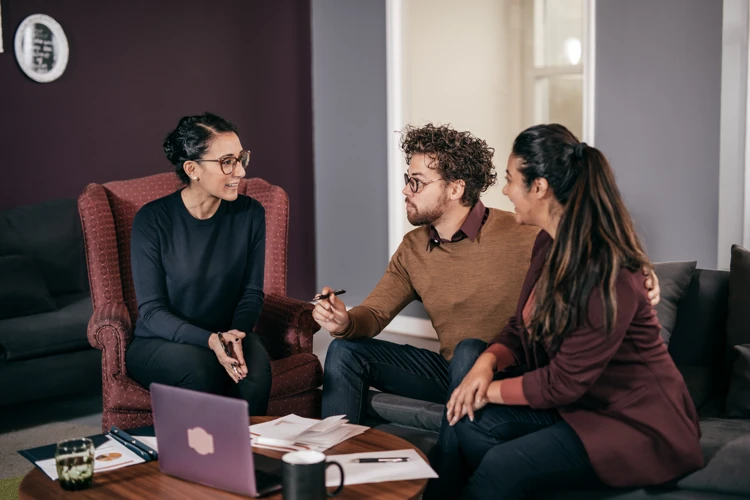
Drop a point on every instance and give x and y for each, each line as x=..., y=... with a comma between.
x=457, y=189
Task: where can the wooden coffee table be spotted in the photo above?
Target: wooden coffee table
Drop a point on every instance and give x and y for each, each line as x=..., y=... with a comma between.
x=146, y=481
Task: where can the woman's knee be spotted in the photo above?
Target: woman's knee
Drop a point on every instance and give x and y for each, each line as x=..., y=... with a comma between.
x=465, y=355
x=206, y=375
x=256, y=357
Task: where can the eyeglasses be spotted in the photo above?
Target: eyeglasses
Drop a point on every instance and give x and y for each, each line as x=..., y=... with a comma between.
x=229, y=163
x=415, y=184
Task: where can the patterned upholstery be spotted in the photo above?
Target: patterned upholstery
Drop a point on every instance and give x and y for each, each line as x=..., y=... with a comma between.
x=286, y=326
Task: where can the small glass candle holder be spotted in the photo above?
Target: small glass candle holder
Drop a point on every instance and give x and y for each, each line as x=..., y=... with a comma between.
x=75, y=463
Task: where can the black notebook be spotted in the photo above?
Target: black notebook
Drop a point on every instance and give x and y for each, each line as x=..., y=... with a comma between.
x=46, y=452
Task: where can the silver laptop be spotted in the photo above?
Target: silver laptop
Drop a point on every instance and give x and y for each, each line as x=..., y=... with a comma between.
x=205, y=438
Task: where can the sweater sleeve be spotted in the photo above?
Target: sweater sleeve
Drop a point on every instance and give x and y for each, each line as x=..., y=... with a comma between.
x=394, y=292
x=251, y=301
x=149, y=279
x=586, y=352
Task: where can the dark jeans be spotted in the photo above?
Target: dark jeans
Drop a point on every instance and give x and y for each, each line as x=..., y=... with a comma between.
x=194, y=367
x=353, y=366
x=508, y=452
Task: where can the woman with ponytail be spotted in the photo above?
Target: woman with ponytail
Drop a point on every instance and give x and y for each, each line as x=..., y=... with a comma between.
x=598, y=399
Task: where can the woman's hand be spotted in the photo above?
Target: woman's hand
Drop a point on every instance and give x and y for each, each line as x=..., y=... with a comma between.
x=233, y=340
x=471, y=395
x=653, y=291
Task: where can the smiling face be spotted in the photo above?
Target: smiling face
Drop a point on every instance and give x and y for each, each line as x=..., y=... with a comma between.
x=529, y=202
x=430, y=202
x=209, y=175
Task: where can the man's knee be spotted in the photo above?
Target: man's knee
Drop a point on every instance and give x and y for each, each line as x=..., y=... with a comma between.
x=341, y=356
x=465, y=355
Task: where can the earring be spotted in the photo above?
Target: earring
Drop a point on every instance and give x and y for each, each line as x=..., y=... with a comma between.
x=194, y=178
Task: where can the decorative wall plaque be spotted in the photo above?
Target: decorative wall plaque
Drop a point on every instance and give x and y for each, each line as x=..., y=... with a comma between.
x=41, y=48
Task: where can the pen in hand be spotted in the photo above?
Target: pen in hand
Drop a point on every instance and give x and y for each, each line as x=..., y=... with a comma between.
x=228, y=353
x=383, y=460
x=320, y=296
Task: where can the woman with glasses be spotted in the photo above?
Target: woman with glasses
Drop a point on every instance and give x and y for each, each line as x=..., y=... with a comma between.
x=578, y=388
x=198, y=258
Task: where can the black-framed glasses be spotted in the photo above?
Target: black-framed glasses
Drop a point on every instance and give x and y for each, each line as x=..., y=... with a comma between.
x=228, y=163
x=415, y=184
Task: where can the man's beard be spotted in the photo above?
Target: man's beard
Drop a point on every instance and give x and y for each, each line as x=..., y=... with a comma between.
x=429, y=215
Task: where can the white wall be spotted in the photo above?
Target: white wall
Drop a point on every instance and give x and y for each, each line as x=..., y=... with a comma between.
x=734, y=66
x=462, y=66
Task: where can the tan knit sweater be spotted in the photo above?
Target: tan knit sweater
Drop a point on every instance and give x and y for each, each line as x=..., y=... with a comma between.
x=469, y=288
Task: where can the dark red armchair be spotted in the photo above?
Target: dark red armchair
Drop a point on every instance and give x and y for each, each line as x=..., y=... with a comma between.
x=286, y=326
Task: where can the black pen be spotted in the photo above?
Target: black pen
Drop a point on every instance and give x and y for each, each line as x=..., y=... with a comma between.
x=384, y=460
x=320, y=296
x=228, y=352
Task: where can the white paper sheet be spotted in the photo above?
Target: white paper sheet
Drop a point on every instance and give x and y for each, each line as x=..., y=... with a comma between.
x=354, y=473
x=294, y=433
x=110, y=449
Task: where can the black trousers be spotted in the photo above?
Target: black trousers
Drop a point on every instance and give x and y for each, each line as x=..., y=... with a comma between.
x=507, y=452
x=194, y=367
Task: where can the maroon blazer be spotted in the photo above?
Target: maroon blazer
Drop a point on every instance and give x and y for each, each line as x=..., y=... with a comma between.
x=621, y=393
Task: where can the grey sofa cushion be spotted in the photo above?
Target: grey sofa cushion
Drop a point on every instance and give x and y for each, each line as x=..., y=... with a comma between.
x=50, y=233
x=726, y=448
x=698, y=337
x=406, y=411
x=738, y=324
x=738, y=399
x=699, y=381
x=22, y=288
x=674, y=278
x=47, y=333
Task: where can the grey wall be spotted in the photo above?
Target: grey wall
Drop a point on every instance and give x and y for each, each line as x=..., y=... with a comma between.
x=349, y=129
x=658, y=101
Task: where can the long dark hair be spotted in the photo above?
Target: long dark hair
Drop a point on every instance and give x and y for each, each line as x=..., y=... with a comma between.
x=595, y=235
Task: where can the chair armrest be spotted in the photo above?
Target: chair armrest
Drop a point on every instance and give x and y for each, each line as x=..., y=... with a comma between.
x=110, y=331
x=286, y=326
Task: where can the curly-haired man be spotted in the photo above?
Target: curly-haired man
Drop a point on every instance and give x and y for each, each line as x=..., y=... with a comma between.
x=465, y=262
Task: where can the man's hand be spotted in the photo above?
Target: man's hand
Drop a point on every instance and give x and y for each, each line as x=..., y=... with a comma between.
x=331, y=313
x=471, y=395
x=652, y=285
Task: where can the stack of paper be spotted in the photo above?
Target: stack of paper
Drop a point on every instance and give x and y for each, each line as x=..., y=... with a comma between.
x=294, y=433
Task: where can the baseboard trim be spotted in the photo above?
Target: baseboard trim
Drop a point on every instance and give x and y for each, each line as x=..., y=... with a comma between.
x=412, y=327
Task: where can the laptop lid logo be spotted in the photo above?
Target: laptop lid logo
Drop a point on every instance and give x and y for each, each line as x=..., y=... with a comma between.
x=200, y=440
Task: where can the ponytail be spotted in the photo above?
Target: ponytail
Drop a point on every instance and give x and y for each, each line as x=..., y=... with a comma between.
x=595, y=235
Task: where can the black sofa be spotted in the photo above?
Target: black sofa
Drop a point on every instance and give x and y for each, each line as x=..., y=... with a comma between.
x=45, y=306
x=700, y=349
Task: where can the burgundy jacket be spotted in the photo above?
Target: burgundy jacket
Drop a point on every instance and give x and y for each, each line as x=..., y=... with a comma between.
x=621, y=393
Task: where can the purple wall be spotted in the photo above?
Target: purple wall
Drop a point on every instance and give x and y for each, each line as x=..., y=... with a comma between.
x=135, y=68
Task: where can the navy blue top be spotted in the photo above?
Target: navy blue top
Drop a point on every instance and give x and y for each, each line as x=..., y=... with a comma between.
x=197, y=277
